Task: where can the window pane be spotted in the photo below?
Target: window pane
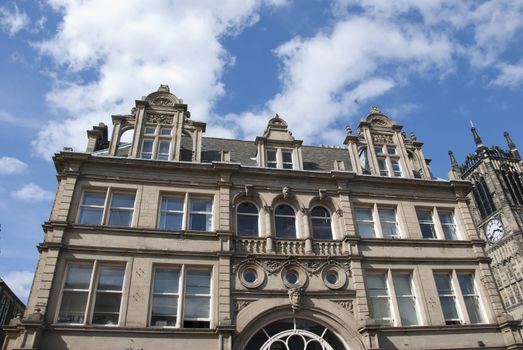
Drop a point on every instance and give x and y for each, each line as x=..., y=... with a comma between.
x=164, y=310
x=364, y=214
x=407, y=308
x=285, y=227
x=72, y=308
x=198, y=282
x=196, y=307
x=121, y=200
x=424, y=215
x=284, y=210
x=391, y=150
x=166, y=281
x=472, y=304
x=107, y=308
x=172, y=203
x=171, y=221
x=376, y=282
x=149, y=130
x=364, y=222
x=320, y=212
x=247, y=225
x=271, y=156
x=94, y=198
x=321, y=228
x=286, y=156
x=379, y=308
x=165, y=131
x=111, y=278
x=402, y=284
x=147, y=146
x=163, y=150
x=202, y=205
x=90, y=216
x=448, y=305
x=247, y=207
x=443, y=284
x=78, y=277
x=120, y=217
x=200, y=222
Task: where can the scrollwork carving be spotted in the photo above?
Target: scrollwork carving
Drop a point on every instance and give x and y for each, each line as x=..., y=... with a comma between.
x=382, y=139
x=347, y=305
x=313, y=267
x=162, y=101
x=160, y=118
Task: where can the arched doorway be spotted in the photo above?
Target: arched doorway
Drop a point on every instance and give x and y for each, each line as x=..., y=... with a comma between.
x=294, y=334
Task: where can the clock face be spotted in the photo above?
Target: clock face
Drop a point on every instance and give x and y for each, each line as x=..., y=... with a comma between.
x=494, y=230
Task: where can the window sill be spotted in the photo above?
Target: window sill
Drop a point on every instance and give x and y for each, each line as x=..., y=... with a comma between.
x=118, y=329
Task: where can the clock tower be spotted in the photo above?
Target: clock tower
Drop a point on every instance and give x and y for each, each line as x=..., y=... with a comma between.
x=496, y=202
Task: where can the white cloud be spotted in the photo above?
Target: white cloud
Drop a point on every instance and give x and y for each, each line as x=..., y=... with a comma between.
x=511, y=75
x=134, y=46
x=10, y=165
x=371, y=47
x=23, y=122
x=324, y=78
x=20, y=283
x=12, y=21
x=32, y=193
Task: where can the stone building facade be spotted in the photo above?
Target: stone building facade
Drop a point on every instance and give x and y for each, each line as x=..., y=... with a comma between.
x=496, y=202
x=10, y=306
x=180, y=241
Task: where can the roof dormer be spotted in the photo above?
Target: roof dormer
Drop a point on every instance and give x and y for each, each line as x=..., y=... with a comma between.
x=381, y=148
x=277, y=148
x=162, y=129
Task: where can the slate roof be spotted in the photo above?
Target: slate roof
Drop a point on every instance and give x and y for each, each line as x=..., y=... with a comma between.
x=244, y=152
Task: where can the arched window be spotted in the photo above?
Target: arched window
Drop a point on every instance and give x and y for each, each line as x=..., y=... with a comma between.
x=247, y=220
x=364, y=160
x=483, y=198
x=295, y=334
x=285, y=221
x=321, y=223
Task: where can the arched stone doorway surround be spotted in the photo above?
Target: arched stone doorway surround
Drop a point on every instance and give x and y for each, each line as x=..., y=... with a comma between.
x=258, y=314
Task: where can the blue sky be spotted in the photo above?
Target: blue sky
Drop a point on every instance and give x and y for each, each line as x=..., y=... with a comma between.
x=66, y=65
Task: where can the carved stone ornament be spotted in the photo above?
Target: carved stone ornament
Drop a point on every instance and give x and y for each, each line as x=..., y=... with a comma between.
x=322, y=194
x=305, y=211
x=162, y=101
x=295, y=295
x=249, y=190
x=241, y=304
x=382, y=139
x=379, y=122
x=160, y=118
x=286, y=191
x=346, y=304
x=339, y=212
x=313, y=267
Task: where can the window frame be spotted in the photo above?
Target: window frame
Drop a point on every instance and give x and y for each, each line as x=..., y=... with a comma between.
x=329, y=218
x=92, y=291
x=386, y=160
x=183, y=270
x=459, y=298
x=295, y=216
x=395, y=314
x=186, y=212
x=257, y=215
x=107, y=206
x=375, y=209
x=157, y=137
x=438, y=226
x=279, y=162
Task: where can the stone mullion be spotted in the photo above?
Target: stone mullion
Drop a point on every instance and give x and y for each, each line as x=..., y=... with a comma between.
x=468, y=223
x=492, y=298
x=63, y=200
